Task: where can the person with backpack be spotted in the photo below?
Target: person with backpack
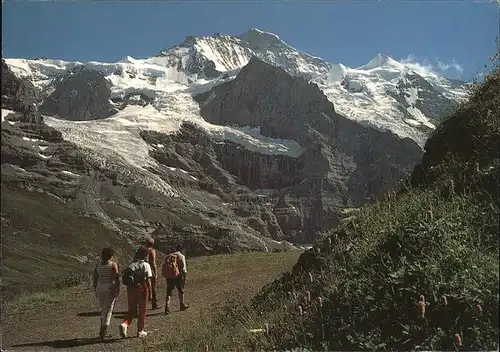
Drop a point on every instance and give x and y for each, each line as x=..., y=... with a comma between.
x=137, y=278
x=174, y=270
x=151, y=259
x=106, y=286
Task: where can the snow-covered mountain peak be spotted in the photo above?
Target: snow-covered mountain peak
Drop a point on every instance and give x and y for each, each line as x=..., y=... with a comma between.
x=337, y=73
x=382, y=61
x=189, y=41
x=193, y=40
x=205, y=57
x=383, y=93
x=261, y=40
x=209, y=56
x=262, y=33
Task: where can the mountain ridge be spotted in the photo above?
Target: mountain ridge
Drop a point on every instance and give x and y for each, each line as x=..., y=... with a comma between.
x=378, y=96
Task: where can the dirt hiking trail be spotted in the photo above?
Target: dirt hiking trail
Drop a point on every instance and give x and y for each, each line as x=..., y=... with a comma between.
x=69, y=319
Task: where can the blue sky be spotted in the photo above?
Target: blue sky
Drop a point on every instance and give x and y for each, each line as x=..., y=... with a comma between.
x=454, y=38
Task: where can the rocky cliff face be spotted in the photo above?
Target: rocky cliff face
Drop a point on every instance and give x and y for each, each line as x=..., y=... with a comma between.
x=242, y=179
x=19, y=95
x=80, y=95
x=414, y=92
x=345, y=163
x=40, y=173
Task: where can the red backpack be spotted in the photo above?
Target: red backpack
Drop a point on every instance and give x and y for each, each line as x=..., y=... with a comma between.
x=171, y=268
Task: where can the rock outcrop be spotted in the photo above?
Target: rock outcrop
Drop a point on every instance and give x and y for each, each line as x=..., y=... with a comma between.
x=82, y=94
x=426, y=98
x=19, y=95
x=344, y=164
x=244, y=180
x=20, y=99
x=139, y=99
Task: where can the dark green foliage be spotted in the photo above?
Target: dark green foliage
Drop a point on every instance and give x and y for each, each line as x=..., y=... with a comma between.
x=465, y=148
x=371, y=279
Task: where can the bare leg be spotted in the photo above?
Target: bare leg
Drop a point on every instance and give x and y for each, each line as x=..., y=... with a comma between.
x=182, y=302
x=180, y=289
x=167, y=304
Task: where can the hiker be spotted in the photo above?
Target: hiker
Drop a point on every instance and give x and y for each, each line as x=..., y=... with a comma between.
x=106, y=286
x=137, y=277
x=174, y=270
x=151, y=259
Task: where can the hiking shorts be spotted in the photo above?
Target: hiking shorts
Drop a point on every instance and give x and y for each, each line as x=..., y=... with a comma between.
x=177, y=283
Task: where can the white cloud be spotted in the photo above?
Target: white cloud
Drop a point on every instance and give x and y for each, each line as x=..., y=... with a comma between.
x=450, y=69
x=453, y=65
x=423, y=65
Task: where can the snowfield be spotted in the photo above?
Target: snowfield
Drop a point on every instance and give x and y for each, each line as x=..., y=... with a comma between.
x=117, y=144
x=367, y=100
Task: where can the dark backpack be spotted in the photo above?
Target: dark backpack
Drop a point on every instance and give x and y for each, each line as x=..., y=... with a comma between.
x=134, y=275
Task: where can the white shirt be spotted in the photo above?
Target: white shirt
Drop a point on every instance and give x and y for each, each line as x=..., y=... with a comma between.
x=147, y=268
x=105, y=273
x=182, y=258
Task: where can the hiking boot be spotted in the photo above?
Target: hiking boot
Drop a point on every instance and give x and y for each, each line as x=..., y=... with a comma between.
x=167, y=311
x=102, y=332
x=142, y=334
x=123, y=330
x=184, y=306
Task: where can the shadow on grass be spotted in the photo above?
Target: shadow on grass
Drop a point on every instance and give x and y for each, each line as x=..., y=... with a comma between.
x=122, y=315
x=69, y=343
